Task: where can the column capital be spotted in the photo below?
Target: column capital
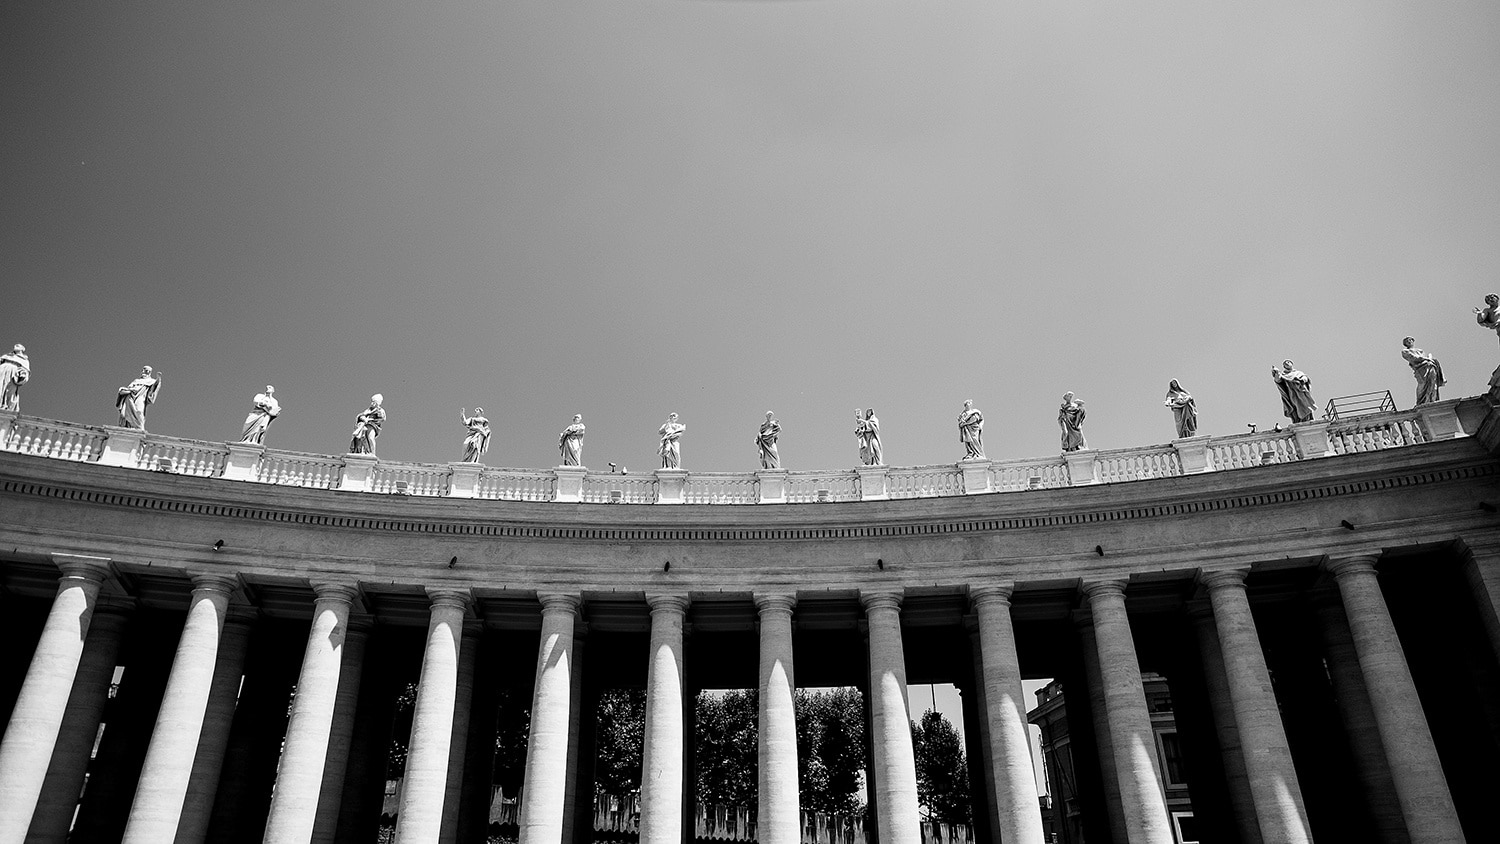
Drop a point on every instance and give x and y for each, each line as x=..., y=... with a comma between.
x=448, y=597
x=568, y=602
x=768, y=603
x=345, y=592
x=1222, y=578
x=880, y=600
x=990, y=596
x=88, y=568
x=668, y=603
x=1344, y=566
x=214, y=582
x=1098, y=588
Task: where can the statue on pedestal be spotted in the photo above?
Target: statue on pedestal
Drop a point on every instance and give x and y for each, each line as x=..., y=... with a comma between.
x=570, y=442
x=1488, y=317
x=971, y=431
x=671, y=448
x=770, y=430
x=1425, y=368
x=1070, y=419
x=1184, y=409
x=135, y=396
x=478, y=440
x=266, y=409
x=867, y=431
x=1296, y=392
x=367, y=427
x=15, y=370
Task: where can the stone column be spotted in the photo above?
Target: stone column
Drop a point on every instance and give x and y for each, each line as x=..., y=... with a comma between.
x=458, y=746
x=661, y=759
x=1130, y=733
x=420, y=815
x=299, y=779
x=37, y=717
x=895, y=771
x=1421, y=787
x=1005, y=709
x=1104, y=749
x=545, y=787
x=341, y=732
x=213, y=743
x=80, y=724
x=778, y=818
x=1228, y=735
x=1481, y=564
x=1267, y=754
x=162, y=790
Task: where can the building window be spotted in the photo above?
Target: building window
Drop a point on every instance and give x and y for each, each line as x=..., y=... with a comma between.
x=1169, y=751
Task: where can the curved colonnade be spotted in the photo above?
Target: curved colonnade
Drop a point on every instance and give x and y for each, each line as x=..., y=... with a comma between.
x=1313, y=617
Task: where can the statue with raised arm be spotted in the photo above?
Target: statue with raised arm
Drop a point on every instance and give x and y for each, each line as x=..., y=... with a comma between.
x=671, y=446
x=1488, y=317
x=134, y=397
x=1425, y=368
x=265, y=410
x=1070, y=419
x=971, y=431
x=478, y=440
x=15, y=370
x=1296, y=392
x=367, y=427
x=570, y=442
x=1184, y=409
x=770, y=430
x=867, y=431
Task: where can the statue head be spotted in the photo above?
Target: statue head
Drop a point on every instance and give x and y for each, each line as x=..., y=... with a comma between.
x=1173, y=385
x=671, y=417
x=870, y=413
x=19, y=349
x=1068, y=397
x=145, y=370
x=1286, y=366
x=1408, y=342
x=270, y=390
x=376, y=399
x=769, y=414
x=968, y=403
x=478, y=411
x=1492, y=300
x=577, y=417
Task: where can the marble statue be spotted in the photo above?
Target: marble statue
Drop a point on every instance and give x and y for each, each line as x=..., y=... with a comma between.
x=15, y=370
x=135, y=396
x=1488, y=317
x=1184, y=409
x=1425, y=368
x=266, y=409
x=570, y=442
x=1070, y=419
x=867, y=431
x=671, y=447
x=971, y=431
x=770, y=430
x=367, y=427
x=478, y=440
x=1296, y=392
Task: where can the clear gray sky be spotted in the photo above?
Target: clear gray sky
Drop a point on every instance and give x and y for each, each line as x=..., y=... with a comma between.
x=631, y=207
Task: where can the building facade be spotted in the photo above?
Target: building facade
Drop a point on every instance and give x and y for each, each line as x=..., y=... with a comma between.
x=1321, y=602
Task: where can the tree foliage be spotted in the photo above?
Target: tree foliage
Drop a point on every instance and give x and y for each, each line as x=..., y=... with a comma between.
x=831, y=749
x=620, y=737
x=942, y=772
x=725, y=747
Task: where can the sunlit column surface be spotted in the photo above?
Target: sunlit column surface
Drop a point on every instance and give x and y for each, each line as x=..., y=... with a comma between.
x=1421, y=787
x=1267, y=754
x=458, y=745
x=299, y=778
x=1130, y=734
x=662, y=760
x=1014, y=777
x=544, y=790
x=1222, y=708
x=778, y=818
x=890, y=723
x=341, y=732
x=218, y=719
x=160, y=795
x=419, y=819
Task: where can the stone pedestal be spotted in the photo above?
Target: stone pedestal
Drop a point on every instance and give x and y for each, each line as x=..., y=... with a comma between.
x=976, y=475
x=121, y=446
x=872, y=483
x=358, y=469
x=670, y=484
x=772, y=486
x=1082, y=467
x=570, y=484
x=1312, y=439
x=464, y=480
x=1439, y=420
x=1192, y=454
x=243, y=460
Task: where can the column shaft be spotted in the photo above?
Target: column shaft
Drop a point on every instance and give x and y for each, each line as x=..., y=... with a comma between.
x=1130, y=733
x=458, y=745
x=895, y=773
x=1421, y=787
x=299, y=779
x=1015, y=795
x=662, y=762
x=1222, y=708
x=778, y=816
x=423, y=792
x=26, y=751
x=213, y=744
x=544, y=789
x=341, y=732
x=159, y=797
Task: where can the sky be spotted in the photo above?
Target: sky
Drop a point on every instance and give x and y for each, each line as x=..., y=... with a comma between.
x=723, y=207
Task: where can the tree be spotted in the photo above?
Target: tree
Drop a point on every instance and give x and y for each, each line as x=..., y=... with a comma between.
x=725, y=747
x=831, y=749
x=942, y=773
x=620, y=737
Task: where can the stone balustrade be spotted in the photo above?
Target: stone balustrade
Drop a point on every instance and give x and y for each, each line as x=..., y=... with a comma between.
x=136, y=449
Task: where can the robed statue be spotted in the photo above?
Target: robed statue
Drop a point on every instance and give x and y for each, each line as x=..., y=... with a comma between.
x=971, y=431
x=671, y=445
x=15, y=370
x=1425, y=368
x=1488, y=317
x=867, y=432
x=1184, y=409
x=570, y=442
x=1296, y=392
x=134, y=397
x=1070, y=418
x=770, y=430
x=265, y=409
x=367, y=427
x=478, y=440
